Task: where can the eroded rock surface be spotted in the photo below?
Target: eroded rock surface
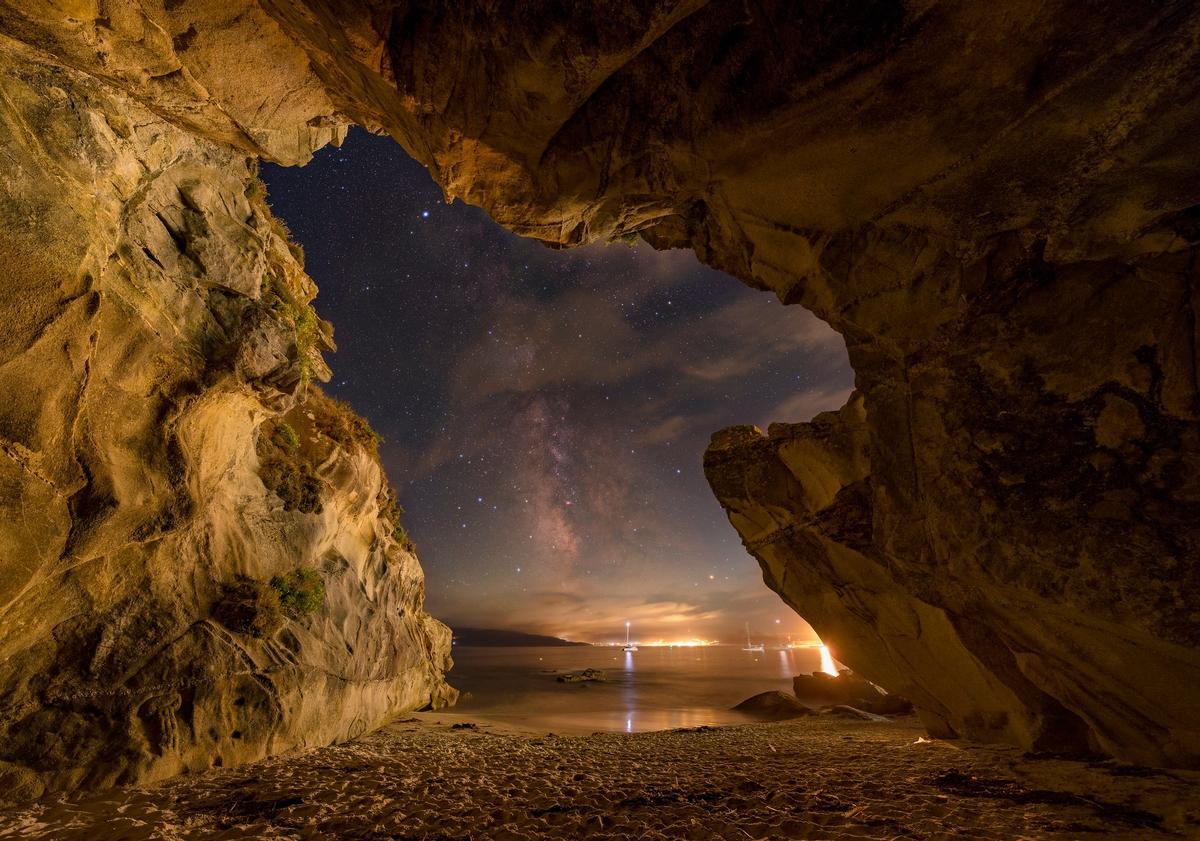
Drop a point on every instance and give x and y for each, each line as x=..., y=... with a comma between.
x=995, y=204
x=158, y=325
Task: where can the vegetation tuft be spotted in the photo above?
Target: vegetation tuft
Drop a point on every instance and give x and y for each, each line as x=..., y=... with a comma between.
x=292, y=480
x=629, y=238
x=288, y=303
x=304, y=321
x=286, y=469
x=391, y=511
x=338, y=420
x=285, y=436
x=400, y=535
x=250, y=607
x=256, y=191
x=301, y=592
x=288, y=459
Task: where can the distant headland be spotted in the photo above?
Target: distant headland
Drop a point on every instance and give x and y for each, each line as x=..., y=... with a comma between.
x=498, y=638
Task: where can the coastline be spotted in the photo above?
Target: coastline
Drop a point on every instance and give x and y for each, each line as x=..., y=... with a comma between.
x=422, y=778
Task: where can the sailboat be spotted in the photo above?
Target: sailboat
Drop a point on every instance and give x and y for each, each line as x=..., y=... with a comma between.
x=629, y=644
x=752, y=646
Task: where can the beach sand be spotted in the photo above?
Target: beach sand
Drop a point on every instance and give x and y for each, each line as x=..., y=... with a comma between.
x=420, y=778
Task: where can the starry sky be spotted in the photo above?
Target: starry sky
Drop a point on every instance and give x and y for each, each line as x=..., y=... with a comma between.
x=545, y=413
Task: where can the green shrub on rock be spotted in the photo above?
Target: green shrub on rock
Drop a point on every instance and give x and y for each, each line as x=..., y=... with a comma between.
x=296, y=487
x=337, y=420
x=286, y=469
x=400, y=535
x=391, y=511
x=285, y=436
x=630, y=239
x=301, y=592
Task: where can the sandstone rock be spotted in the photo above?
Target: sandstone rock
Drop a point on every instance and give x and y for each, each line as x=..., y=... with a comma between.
x=773, y=706
x=847, y=688
x=890, y=704
x=156, y=315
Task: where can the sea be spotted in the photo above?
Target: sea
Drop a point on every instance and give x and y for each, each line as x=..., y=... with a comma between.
x=654, y=688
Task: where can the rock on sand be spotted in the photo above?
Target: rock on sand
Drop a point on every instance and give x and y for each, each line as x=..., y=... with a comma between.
x=773, y=706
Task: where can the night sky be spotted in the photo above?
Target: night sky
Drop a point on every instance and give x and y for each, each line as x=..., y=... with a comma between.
x=545, y=413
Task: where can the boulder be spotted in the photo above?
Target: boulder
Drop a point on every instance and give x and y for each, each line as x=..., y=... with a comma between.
x=585, y=676
x=850, y=689
x=846, y=711
x=773, y=706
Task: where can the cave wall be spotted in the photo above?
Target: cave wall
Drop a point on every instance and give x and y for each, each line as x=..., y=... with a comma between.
x=995, y=205
x=157, y=320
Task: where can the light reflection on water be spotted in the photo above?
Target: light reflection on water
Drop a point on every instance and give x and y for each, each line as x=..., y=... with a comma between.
x=651, y=689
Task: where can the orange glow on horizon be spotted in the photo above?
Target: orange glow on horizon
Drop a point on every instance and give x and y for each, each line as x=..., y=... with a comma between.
x=663, y=643
x=692, y=643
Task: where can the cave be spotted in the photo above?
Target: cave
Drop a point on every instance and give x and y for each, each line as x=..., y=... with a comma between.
x=543, y=413
x=995, y=207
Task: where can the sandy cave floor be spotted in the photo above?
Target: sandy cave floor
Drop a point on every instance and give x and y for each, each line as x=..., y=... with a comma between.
x=814, y=778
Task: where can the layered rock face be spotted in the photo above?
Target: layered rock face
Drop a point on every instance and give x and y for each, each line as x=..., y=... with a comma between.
x=158, y=329
x=995, y=204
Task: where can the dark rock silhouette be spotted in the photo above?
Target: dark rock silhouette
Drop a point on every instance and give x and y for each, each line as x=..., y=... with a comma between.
x=774, y=706
x=584, y=677
x=491, y=637
x=851, y=690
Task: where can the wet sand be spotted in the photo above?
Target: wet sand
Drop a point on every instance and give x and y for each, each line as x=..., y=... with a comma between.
x=423, y=778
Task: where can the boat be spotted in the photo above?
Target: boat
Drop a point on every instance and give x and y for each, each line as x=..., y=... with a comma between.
x=629, y=645
x=752, y=646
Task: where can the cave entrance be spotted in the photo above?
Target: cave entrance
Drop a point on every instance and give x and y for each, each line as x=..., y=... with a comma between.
x=544, y=413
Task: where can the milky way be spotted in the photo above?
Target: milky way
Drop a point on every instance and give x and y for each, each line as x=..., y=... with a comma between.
x=545, y=413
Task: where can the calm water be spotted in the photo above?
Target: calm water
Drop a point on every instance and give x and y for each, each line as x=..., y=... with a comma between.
x=651, y=689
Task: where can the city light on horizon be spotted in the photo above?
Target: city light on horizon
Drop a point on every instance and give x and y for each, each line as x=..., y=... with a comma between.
x=697, y=642
x=670, y=627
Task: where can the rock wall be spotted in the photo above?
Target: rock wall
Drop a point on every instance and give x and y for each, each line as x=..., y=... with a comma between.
x=157, y=320
x=1002, y=526
x=995, y=204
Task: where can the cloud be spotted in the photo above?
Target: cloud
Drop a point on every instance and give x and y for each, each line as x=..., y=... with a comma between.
x=804, y=406
x=586, y=336
x=597, y=616
x=668, y=429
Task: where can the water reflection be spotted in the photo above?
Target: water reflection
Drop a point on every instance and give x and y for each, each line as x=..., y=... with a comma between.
x=628, y=695
x=653, y=689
